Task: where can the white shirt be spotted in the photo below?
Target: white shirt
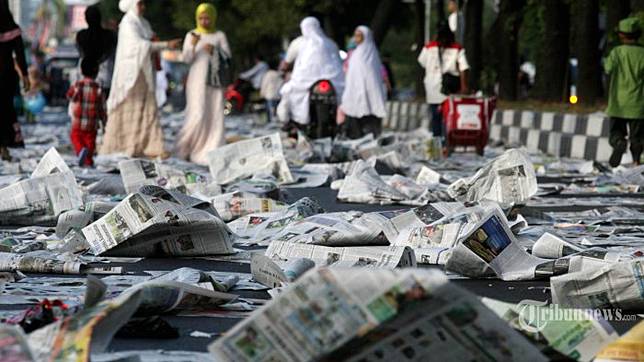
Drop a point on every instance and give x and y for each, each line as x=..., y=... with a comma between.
x=255, y=74
x=271, y=84
x=454, y=62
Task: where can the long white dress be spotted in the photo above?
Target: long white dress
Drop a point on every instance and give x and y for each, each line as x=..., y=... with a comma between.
x=203, y=130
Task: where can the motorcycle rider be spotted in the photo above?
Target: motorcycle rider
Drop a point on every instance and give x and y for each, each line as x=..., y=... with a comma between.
x=315, y=57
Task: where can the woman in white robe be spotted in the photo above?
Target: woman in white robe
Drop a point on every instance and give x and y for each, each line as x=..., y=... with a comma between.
x=365, y=95
x=317, y=58
x=133, y=126
x=203, y=130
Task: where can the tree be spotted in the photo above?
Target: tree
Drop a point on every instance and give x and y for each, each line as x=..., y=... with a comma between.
x=382, y=19
x=473, y=40
x=553, y=54
x=509, y=22
x=585, y=21
x=419, y=7
x=440, y=11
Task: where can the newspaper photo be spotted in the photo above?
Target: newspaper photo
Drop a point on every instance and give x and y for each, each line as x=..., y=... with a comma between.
x=354, y=314
x=143, y=225
x=233, y=205
x=275, y=273
x=243, y=159
x=136, y=173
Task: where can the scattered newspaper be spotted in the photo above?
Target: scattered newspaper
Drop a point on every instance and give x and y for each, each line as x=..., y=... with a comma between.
x=276, y=273
x=144, y=225
x=243, y=159
x=509, y=179
x=51, y=190
x=388, y=257
x=356, y=314
x=136, y=173
x=233, y=205
x=351, y=228
x=427, y=176
x=615, y=285
x=578, y=338
x=629, y=347
x=552, y=247
x=28, y=263
x=262, y=227
x=364, y=185
x=492, y=242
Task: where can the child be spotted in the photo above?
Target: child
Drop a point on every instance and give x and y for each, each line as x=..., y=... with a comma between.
x=270, y=90
x=38, y=86
x=87, y=105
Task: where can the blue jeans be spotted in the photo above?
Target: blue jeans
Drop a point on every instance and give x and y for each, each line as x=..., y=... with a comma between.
x=271, y=109
x=436, y=119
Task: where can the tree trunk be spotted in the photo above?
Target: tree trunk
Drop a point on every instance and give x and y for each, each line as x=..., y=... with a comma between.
x=381, y=21
x=473, y=40
x=615, y=11
x=585, y=21
x=552, y=58
x=419, y=7
x=510, y=18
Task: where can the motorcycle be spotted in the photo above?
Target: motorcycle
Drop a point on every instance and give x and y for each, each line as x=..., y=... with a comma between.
x=237, y=95
x=323, y=106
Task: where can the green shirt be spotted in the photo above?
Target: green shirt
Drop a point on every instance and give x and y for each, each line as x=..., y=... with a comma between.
x=625, y=65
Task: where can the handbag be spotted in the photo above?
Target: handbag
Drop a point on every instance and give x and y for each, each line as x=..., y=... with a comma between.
x=219, y=70
x=450, y=83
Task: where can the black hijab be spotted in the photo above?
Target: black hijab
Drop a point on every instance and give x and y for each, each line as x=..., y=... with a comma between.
x=6, y=19
x=95, y=42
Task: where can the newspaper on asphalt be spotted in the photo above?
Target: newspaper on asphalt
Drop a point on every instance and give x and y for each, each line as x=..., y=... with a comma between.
x=351, y=228
x=388, y=257
x=38, y=263
x=357, y=314
x=614, y=285
x=262, y=227
x=136, y=173
x=243, y=159
x=51, y=190
x=493, y=243
x=233, y=205
x=579, y=338
x=552, y=247
x=275, y=273
x=509, y=179
x=145, y=225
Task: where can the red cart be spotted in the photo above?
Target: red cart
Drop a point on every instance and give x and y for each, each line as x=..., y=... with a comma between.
x=466, y=121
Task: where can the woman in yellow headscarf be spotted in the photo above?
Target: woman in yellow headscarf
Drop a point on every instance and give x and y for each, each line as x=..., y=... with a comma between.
x=203, y=129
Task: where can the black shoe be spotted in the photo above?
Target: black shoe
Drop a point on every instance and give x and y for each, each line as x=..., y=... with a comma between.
x=616, y=157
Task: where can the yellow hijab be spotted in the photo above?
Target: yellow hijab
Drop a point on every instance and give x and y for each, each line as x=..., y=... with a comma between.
x=212, y=13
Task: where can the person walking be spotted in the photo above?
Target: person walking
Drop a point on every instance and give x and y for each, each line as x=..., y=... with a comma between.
x=133, y=128
x=270, y=90
x=445, y=73
x=10, y=44
x=365, y=95
x=625, y=66
x=98, y=44
x=87, y=104
x=203, y=130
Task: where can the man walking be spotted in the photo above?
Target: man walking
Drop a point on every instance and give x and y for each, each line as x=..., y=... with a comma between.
x=625, y=66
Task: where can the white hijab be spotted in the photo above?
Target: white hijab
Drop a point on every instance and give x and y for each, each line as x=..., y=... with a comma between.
x=132, y=54
x=365, y=92
x=318, y=58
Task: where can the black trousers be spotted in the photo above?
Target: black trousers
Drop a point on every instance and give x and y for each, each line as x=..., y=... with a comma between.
x=355, y=128
x=10, y=135
x=621, y=129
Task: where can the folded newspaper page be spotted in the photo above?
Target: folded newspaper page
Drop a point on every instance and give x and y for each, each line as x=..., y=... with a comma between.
x=13, y=345
x=509, y=179
x=492, y=242
x=552, y=247
x=364, y=185
x=618, y=285
x=136, y=173
x=357, y=314
x=629, y=347
x=262, y=227
x=579, y=338
x=243, y=159
x=38, y=263
x=388, y=257
x=51, y=162
x=351, y=228
x=233, y=205
x=275, y=273
x=144, y=225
